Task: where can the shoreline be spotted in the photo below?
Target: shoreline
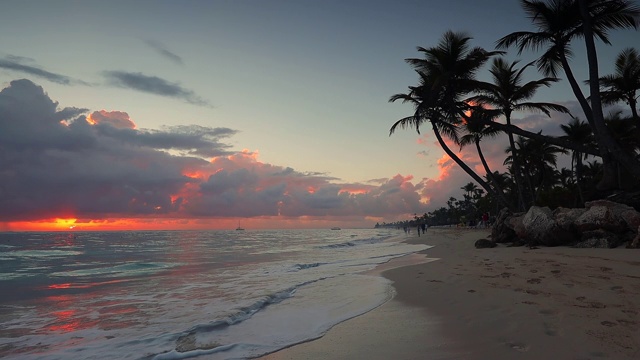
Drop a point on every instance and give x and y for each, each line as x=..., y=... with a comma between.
x=497, y=303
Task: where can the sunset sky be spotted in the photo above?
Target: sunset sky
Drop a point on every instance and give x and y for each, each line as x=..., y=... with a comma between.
x=197, y=114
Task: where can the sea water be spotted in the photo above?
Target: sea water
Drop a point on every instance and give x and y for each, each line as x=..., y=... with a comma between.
x=185, y=294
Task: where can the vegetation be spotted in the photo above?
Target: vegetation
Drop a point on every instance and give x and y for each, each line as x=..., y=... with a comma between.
x=605, y=150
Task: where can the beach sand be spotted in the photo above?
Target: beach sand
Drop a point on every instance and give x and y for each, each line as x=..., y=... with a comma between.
x=499, y=303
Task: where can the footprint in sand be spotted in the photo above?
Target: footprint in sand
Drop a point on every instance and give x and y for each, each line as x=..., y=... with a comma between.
x=518, y=346
x=534, y=281
x=555, y=271
x=608, y=323
x=550, y=329
x=506, y=275
x=626, y=322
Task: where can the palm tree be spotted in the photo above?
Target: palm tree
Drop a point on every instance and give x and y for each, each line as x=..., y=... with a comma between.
x=447, y=73
x=598, y=16
x=560, y=21
x=509, y=93
x=628, y=135
x=469, y=188
x=477, y=130
x=538, y=160
x=624, y=83
x=578, y=131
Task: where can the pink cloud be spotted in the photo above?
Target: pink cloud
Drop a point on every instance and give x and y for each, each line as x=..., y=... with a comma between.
x=101, y=170
x=117, y=119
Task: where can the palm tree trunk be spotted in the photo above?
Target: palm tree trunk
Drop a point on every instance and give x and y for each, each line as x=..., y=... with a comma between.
x=490, y=173
x=516, y=165
x=460, y=163
x=579, y=179
x=634, y=111
x=609, y=178
x=608, y=142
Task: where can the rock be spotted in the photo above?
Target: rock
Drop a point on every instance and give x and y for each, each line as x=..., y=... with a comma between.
x=631, y=218
x=515, y=223
x=599, y=238
x=635, y=243
x=541, y=229
x=484, y=243
x=599, y=217
x=566, y=217
x=501, y=232
x=621, y=212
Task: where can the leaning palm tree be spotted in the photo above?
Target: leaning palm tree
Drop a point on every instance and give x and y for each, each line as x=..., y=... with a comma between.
x=578, y=131
x=477, y=129
x=560, y=21
x=624, y=84
x=509, y=93
x=447, y=74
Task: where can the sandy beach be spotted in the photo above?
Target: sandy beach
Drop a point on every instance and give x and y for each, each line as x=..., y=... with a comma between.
x=499, y=303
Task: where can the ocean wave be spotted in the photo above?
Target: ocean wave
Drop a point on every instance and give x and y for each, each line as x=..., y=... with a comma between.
x=41, y=253
x=118, y=270
x=297, y=267
x=351, y=243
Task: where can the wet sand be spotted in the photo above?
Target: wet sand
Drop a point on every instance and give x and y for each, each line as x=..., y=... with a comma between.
x=499, y=303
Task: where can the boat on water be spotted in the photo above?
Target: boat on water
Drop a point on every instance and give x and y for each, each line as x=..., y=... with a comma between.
x=239, y=228
x=335, y=228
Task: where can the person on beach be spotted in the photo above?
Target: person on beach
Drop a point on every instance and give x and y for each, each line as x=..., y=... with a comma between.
x=424, y=228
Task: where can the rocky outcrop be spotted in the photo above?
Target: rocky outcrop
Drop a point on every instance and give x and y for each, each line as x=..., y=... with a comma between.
x=635, y=242
x=602, y=223
x=502, y=232
x=485, y=243
x=540, y=228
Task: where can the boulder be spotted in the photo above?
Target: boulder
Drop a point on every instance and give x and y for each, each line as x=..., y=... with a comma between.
x=599, y=217
x=515, y=223
x=622, y=212
x=541, y=229
x=635, y=243
x=501, y=232
x=599, y=238
x=485, y=243
x=566, y=217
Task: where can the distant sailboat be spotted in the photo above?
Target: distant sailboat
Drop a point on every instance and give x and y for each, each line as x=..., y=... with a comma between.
x=239, y=228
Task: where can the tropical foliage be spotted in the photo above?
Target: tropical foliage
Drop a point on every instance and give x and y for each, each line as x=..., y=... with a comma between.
x=463, y=110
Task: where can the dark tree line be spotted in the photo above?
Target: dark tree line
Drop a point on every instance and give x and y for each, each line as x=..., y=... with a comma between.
x=604, y=148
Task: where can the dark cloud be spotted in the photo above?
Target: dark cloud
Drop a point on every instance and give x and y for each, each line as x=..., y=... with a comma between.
x=162, y=50
x=57, y=163
x=14, y=63
x=153, y=85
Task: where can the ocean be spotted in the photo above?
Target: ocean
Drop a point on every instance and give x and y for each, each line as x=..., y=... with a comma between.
x=185, y=294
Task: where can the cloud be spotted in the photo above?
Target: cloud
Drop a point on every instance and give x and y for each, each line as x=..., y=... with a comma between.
x=117, y=119
x=162, y=50
x=153, y=85
x=15, y=63
x=58, y=163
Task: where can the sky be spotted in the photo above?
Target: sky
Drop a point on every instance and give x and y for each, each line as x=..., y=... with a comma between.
x=118, y=115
